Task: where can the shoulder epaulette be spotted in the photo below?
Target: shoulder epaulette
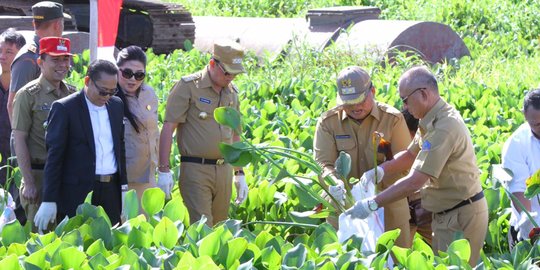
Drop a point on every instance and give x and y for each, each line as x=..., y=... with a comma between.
x=191, y=77
x=33, y=88
x=389, y=109
x=32, y=48
x=331, y=112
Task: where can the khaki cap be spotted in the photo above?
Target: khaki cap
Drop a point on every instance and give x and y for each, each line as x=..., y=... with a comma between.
x=353, y=85
x=47, y=10
x=230, y=54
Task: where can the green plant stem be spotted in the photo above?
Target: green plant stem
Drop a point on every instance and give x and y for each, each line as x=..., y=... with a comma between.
x=282, y=223
x=516, y=200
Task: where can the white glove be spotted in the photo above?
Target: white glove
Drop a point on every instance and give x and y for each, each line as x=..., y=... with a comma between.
x=370, y=175
x=165, y=182
x=525, y=226
x=46, y=214
x=338, y=191
x=241, y=188
x=123, y=216
x=360, y=209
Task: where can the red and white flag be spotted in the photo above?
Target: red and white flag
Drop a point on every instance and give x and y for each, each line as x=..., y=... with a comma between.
x=108, y=14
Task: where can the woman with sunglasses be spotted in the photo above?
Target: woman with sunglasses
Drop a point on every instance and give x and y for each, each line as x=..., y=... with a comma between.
x=141, y=119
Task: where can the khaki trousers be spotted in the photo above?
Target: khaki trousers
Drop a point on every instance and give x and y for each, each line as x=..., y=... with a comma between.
x=140, y=188
x=206, y=190
x=471, y=219
x=32, y=208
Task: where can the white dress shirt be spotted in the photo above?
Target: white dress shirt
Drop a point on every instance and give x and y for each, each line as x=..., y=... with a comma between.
x=521, y=154
x=103, y=140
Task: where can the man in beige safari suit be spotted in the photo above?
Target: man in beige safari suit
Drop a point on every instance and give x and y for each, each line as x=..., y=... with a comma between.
x=205, y=179
x=443, y=167
x=30, y=110
x=349, y=127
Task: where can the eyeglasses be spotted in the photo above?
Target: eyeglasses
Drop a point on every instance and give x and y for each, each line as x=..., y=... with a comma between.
x=103, y=92
x=223, y=70
x=407, y=97
x=128, y=74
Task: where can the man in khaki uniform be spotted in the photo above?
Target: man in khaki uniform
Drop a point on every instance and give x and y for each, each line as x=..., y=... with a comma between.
x=349, y=127
x=443, y=167
x=31, y=108
x=205, y=179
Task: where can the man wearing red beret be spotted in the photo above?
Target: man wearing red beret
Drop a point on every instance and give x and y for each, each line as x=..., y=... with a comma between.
x=30, y=110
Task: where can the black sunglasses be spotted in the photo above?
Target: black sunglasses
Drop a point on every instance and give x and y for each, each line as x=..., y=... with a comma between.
x=103, y=92
x=222, y=69
x=128, y=73
x=404, y=100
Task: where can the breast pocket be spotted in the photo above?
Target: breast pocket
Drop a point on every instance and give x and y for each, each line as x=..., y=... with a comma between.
x=40, y=113
x=203, y=108
x=345, y=144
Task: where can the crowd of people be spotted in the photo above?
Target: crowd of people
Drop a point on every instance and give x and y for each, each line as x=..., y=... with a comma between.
x=105, y=139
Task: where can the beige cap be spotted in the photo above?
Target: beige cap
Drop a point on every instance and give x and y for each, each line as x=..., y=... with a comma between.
x=353, y=84
x=230, y=54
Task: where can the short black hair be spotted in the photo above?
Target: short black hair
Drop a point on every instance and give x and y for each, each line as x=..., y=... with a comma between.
x=12, y=37
x=412, y=123
x=131, y=53
x=99, y=66
x=532, y=98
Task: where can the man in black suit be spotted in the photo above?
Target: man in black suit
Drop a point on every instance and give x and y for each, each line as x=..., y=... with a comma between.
x=85, y=149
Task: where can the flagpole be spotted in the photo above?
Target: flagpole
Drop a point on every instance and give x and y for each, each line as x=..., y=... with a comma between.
x=93, y=29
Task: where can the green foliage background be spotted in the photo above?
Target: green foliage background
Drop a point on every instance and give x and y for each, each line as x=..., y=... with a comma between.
x=281, y=100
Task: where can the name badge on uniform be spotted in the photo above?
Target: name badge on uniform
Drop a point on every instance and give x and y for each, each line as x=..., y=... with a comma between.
x=343, y=137
x=426, y=145
x=45, y=107
x=205, y=100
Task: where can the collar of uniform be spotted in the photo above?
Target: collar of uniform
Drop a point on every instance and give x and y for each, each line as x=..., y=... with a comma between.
x=205, y=81
x=48, y=87
x=375, y=112
x=427, y=122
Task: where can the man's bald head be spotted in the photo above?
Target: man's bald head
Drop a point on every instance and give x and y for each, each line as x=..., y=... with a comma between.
x=419, y=77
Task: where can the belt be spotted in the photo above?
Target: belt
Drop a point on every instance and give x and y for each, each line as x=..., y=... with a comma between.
x=470, y=200
x=199, y=160
x=37, y=166
x=105, y=178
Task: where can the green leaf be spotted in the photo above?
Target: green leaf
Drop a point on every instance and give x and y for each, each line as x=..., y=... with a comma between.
x=73, y=238
x=153, y=200
x=72, y=258
x=139, y=239
x=237, y=154
x=386, y=240
x=98, y=247
x=98, y=260
x=211, y=244
x=400, y=254
x=129, y=257
x=270, y=258
x=131, y=204
x=234, y=249
x=10, y=262
x=13, y=232
x=295, y=257
x=461, y=248
x=17, y=248
x=343, y=165
x=417, y=261
x=36, y=259
x=228, y=116
x=175, y=210
x=165, y=233
x=100, y=229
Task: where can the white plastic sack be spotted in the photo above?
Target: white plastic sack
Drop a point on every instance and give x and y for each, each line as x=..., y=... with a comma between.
x=370, y=228
x=8, y=214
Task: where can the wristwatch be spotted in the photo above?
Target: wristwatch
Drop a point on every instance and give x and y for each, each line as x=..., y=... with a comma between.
x=372, y=205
